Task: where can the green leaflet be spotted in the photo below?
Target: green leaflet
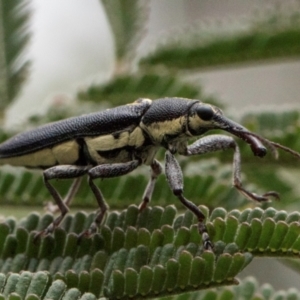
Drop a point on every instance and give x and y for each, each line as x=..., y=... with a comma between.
x=248, y=288
x=127, y=88
x=120, y=262
x=277, y=38
x=259, y=231
x=14, y=36
x=124, y=284
x=127, y=22
x=238, y=49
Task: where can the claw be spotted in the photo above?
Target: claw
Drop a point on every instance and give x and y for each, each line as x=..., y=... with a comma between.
x=265, y=197
x=273, y=194
x=259, y=198
x=89, y=232
x=207, y=243
x=143, y=205
x=44, y=232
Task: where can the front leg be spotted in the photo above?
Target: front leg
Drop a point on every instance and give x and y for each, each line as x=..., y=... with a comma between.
x=216, y=142
x=175, y=180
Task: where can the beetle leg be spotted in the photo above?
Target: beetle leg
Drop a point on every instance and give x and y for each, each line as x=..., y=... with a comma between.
x=60, y=172
x=156, y=170
x=105, y=171
x=69, y=197
x=214, y=143
x=175, y=180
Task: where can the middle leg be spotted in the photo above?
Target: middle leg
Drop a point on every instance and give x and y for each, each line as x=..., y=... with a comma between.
x=156, y=170
x=105, y=171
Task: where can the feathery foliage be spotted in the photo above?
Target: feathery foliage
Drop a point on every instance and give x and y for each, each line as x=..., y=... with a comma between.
x=14, y=36
x=124, y=88
x=153, y=254
x=128, y=21
x=276, y=36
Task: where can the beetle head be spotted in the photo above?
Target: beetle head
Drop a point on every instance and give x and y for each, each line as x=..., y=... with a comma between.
x=204, y=117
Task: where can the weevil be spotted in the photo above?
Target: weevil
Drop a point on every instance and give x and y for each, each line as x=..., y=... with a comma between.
x=116, y=141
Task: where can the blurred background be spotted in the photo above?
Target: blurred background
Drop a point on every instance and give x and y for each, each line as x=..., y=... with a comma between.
x=82, y=58
x=72, y=46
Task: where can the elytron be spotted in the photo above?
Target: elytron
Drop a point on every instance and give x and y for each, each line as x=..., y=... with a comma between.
x=116, y=141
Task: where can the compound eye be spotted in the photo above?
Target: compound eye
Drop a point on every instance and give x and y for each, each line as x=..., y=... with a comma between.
x=205, y=112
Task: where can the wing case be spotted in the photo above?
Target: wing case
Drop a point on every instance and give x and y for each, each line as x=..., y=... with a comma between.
x=100, y=123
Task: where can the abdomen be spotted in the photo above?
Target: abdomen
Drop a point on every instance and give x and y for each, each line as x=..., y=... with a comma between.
x=62, y=154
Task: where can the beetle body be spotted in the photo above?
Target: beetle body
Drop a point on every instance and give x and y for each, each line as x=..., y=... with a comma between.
x=116, y=141
x=73, y=141
x=105, y=137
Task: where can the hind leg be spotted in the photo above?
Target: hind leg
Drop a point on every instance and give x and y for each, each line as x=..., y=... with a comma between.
x=60, y=172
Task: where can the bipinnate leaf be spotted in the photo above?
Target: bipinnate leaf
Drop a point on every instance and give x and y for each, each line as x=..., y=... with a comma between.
x=14, y=36
x=125, y=89
x=126, y=261
x=127, y=20
x=276, y=36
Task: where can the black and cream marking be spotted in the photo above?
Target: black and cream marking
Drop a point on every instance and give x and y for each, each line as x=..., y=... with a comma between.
x=116, y=141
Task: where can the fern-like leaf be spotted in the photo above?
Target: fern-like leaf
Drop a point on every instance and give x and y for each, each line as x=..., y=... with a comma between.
x=152, y=254
x=127, y=20
x=277, y=36
x=126, y=89
x=38, y=286
x=248, y=289
x=14, y=36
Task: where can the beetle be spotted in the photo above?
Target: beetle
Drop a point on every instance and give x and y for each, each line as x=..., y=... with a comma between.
x=116, y=141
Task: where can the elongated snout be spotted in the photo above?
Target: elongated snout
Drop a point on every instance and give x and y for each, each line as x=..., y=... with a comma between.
x=243, y=133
